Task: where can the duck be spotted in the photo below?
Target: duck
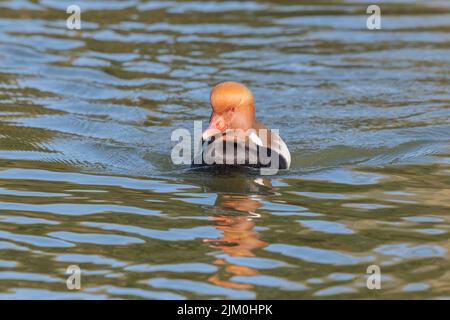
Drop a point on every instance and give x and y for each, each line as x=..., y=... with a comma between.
x=233, y=120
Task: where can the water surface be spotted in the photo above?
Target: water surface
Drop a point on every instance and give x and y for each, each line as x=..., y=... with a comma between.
x=86, y=177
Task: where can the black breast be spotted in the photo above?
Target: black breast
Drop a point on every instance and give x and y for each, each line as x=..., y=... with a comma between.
x=221, y=153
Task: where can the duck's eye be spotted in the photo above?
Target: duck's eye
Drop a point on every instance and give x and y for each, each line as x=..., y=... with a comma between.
x=232, y=109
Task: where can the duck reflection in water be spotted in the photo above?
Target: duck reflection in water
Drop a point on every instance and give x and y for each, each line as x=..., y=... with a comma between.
x=236, y=216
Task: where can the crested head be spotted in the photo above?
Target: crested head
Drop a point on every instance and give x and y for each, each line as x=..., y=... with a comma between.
x=230, y=95
x=233, y=108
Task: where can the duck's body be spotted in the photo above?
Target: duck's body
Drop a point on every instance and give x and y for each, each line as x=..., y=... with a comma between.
x=233, y=124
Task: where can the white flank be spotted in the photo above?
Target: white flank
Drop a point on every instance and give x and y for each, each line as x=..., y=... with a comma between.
x=255, y=139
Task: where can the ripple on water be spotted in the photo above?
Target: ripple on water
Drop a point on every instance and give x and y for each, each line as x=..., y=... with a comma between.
x=5, y=245
x=179, y=268
x=95, y=238
x=343, y=175
x=26, y=220
x=8, y=264
x=39, y=241
x=27, y=276
x=94, y=180
x=77, y=209
x=42, y=294
x=136, y=292
x=316, y=255
x=408, y=251
x=412, y=287
x=326, y=226
x=270, y=281
x=90, y=258
x=254, y=262
x=201, y=288
x=167, y=235
x=335, y=291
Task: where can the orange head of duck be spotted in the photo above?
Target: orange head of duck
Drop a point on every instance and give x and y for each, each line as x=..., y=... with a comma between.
x=233, y=108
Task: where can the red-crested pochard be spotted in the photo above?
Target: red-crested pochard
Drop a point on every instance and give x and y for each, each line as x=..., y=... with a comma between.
x=233, y=119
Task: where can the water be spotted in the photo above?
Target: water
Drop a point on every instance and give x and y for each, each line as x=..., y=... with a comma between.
x=86, y=177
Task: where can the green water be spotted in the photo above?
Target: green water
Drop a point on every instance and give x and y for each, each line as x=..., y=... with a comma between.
x=86, y=177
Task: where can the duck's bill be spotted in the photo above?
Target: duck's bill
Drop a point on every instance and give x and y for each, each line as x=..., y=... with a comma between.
x=216, y=126
x=210, y=132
